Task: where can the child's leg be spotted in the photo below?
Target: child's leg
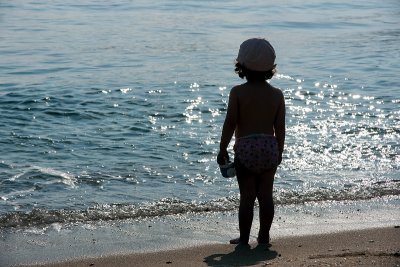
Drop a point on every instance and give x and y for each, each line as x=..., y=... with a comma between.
x=265, y=184
x=247, y=187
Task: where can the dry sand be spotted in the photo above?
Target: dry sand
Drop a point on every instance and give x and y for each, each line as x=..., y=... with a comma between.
x=371, y=247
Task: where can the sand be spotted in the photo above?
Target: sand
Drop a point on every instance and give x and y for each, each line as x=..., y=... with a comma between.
x=350, y=233
x=368, y=247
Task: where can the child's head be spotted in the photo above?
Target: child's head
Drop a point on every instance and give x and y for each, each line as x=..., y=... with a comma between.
x=256, y=60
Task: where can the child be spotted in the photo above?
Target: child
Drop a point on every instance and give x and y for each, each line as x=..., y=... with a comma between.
x=256, y=114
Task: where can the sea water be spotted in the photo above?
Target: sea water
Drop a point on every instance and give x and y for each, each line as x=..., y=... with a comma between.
x=112, y=110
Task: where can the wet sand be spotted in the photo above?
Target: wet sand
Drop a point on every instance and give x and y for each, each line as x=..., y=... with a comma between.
x=359, y=233
x=368, y=247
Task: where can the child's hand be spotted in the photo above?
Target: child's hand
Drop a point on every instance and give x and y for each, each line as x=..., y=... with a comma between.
x=223, y=157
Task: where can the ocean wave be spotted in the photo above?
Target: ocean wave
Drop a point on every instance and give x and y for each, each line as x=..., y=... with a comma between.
x=43, y=173
x=174, y=206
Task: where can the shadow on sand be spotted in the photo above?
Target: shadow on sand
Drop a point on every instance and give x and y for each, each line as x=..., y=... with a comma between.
x=243, y=255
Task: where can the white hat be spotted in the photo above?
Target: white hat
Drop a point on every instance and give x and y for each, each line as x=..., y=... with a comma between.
x=256, y=54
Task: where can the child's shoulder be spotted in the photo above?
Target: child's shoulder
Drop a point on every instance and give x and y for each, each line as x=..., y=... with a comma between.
x=237, y=89
x=276, y=90
x=243, y=87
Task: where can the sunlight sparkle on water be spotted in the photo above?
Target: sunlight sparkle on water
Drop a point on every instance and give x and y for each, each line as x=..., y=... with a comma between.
x=125, y=90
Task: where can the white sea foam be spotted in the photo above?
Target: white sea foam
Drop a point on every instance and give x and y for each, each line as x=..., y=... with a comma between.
x=67, y=178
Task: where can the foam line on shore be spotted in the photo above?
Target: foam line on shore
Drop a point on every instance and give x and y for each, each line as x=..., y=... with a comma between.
x=67, y=242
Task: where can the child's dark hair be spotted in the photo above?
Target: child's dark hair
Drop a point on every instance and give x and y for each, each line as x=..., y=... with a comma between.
x=252, y=75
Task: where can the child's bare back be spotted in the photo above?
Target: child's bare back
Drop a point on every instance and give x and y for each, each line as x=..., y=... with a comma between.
x=259, y=104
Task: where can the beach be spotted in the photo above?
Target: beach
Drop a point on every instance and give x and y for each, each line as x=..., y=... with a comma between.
x=371, y=247
x=342, y=233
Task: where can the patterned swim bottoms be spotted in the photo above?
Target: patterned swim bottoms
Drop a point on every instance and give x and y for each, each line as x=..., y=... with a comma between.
x=258, y=152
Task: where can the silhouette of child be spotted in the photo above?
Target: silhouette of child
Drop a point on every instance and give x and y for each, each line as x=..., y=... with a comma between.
x=256, y=114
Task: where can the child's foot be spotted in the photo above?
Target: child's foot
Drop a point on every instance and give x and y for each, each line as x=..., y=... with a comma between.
x=237, y=241
x=234, y=241
x=264, y=241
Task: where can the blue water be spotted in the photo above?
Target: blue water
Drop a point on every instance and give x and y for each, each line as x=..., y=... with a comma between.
x=113, y=110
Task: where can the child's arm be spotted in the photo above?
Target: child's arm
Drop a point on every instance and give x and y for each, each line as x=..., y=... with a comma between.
x=229, y=127
x=279, y=125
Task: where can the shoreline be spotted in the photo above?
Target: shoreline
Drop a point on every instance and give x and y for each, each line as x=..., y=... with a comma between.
x=198, y=233
x=378, y=246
